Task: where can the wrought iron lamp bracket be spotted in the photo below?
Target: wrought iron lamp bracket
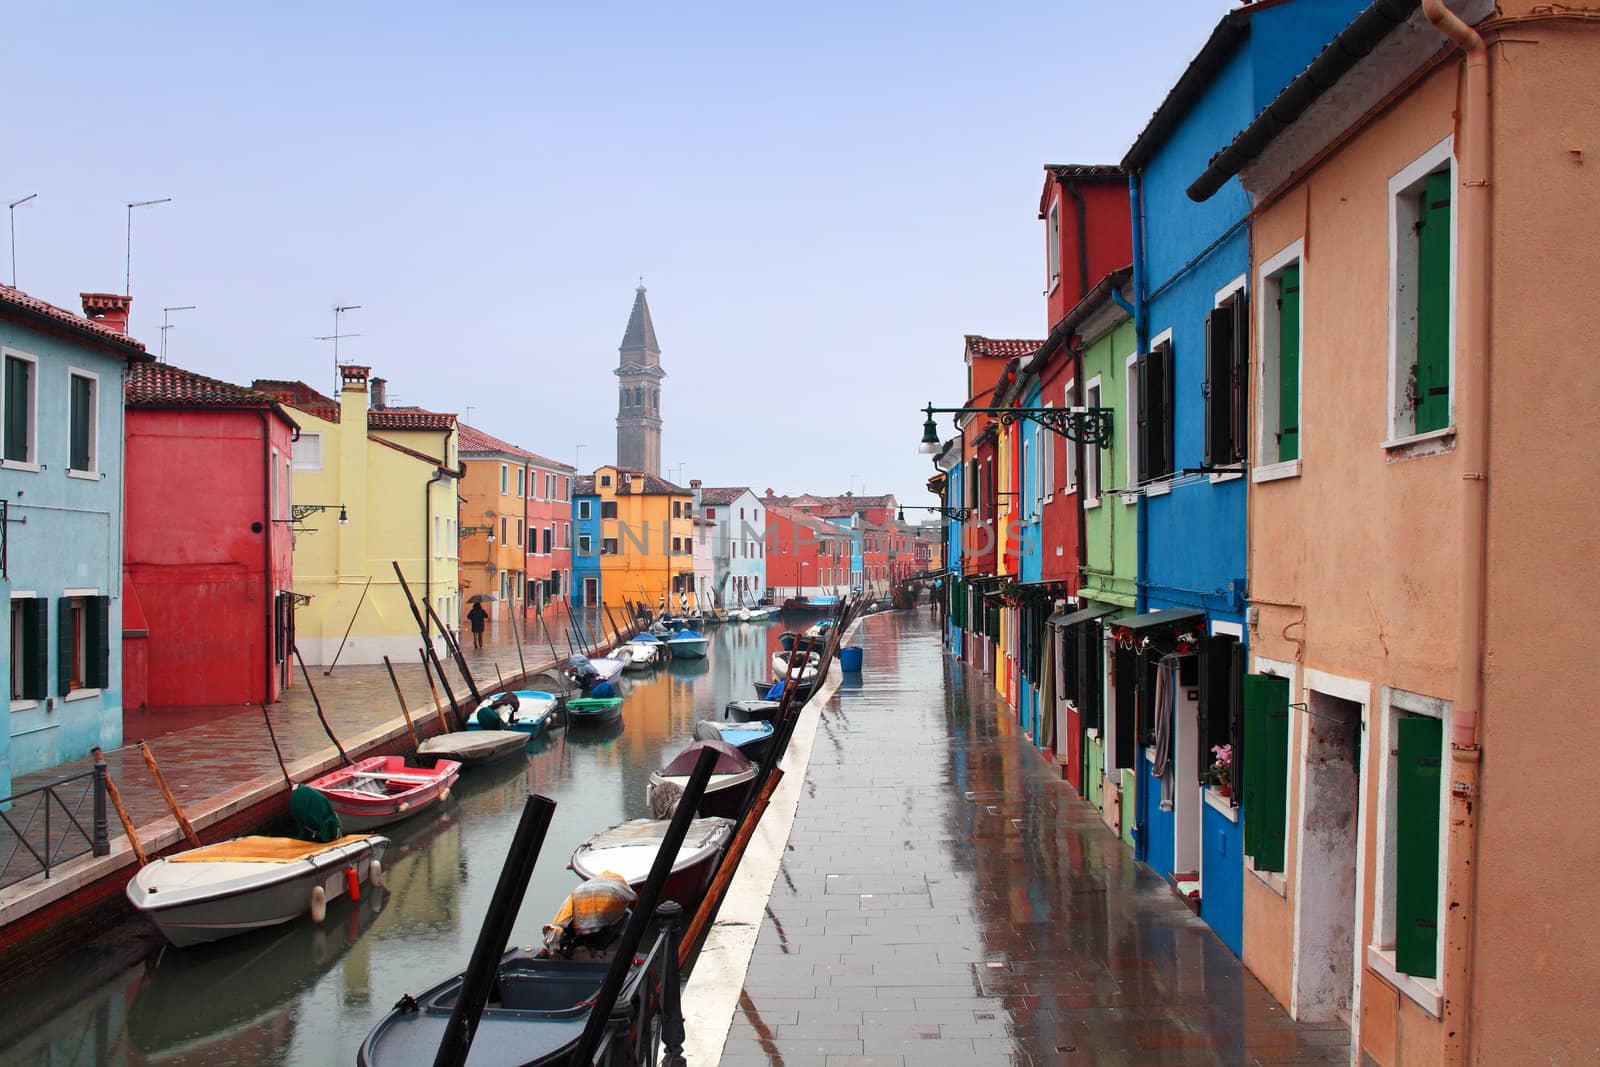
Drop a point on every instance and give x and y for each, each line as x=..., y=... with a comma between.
x=1091, y=426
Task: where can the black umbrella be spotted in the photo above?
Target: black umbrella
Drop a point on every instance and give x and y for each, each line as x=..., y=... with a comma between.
x=480, y=598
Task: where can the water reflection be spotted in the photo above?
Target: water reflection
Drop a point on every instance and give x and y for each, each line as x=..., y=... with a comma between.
x=305, y=994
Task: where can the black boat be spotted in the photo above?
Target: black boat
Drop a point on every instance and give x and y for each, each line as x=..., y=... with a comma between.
x=751, y=710
x=803, y=690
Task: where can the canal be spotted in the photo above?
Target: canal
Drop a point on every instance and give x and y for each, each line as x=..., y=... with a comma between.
x=308, y=994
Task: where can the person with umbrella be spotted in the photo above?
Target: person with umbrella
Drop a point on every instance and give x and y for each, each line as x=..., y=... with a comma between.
x=477, y=617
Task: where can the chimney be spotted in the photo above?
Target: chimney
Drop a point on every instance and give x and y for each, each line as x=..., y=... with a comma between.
x=694, y=487
x=380, y=393
x=108, y=309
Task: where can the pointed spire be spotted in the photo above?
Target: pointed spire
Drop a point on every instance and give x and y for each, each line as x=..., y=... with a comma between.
x=641, y=333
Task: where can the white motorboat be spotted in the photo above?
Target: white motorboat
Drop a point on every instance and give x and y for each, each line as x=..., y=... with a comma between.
x=233, y=887
x=630, y=849
x=527, y=711
x=805, y=670
x=641, y=655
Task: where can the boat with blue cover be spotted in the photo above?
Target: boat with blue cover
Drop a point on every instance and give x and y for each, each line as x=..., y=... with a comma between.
x=687, y=644
x=527, y=711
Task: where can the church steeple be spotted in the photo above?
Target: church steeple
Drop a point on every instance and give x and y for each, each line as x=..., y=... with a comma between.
x=639, y=377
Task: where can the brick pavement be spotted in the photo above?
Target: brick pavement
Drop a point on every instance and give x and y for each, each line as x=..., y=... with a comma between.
x=945, y=898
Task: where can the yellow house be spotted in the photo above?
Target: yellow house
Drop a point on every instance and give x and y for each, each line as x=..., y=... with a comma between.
x=646, y=537
x=364, y=501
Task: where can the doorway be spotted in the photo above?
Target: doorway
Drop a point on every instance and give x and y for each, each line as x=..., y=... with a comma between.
x=591, y=592
x=1325, y=883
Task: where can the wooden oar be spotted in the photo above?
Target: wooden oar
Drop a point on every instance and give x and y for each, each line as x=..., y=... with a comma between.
x=318, y=704
x=728, y=866
x=444, y=712
x=410, y=729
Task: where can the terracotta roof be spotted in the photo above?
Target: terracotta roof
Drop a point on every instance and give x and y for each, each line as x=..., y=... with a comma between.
x=408, y=418
x=20, y=300
x=473, y=440
x=299, y=395
x=583, y=485
x=721, y=496
x=810, y=522
x=653, y=484
x=1084, y=171
x=161, y=385
x=1000, y=348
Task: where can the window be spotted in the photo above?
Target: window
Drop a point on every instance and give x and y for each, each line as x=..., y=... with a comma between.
x=1091, y=454
x=677, y=509
x=1421, y=327
x=608, y=546
x=550, y=486
x=30, y=644
x=505, y=530
x=21, y=402
x=83, y=635
x=711, y=513
x=566, y=488
x=1052, y=238
x=1265, y=700
x=1151, y=384
x=1412, y=795
x=584, y=544
x=566, y=535
x=519, y=533
x=308, y=452
x=677, y=545
x=504, y=471
x=608, y=509
x=584, y=510
x=549, y=538
x=1278, y=433
x=1227, y=370
x=83, y=421
x=452, y=539
x=1221, y=680
x=522, y=481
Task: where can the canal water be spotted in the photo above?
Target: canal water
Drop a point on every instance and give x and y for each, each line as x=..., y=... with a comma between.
x=307, y=994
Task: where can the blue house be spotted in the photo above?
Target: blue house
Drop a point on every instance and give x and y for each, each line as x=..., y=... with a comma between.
x=585, y=592
x=1187, y=446
x=61, y=506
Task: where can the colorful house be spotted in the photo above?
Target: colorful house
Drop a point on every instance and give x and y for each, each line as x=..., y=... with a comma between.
x=494, y=538
x=586, y=587
x=1188, y=444
x=373, y=487
x=739, y=543
x=806, y=556
x=646, y=538
x=61, y=523
x=1418, y=252
x=208, y=610
x=548, y=568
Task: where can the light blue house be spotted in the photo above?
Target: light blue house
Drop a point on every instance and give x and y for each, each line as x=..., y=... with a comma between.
x=739, y=543
x=1187, y=445
x=586, y=589
x=61, y=501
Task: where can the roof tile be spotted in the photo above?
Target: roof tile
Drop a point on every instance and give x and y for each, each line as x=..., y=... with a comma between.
x=19, y=299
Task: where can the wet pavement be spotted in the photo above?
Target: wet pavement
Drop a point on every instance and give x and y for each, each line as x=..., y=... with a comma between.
x=947, y=899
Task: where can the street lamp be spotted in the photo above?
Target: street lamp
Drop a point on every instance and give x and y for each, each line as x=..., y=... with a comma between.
x=1091, y=426
x=298, y=512
x=957, y=514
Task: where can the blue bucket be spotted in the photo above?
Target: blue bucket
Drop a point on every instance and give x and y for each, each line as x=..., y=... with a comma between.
x=850, y=659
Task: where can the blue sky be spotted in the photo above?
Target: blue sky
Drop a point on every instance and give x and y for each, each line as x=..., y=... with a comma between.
x=821, y=202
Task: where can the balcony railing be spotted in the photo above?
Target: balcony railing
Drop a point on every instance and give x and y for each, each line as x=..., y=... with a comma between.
x=43, y=827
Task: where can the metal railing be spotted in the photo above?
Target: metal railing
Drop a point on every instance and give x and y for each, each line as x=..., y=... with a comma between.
x=43, y=827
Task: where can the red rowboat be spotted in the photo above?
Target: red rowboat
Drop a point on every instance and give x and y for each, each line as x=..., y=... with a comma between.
x=382, y=789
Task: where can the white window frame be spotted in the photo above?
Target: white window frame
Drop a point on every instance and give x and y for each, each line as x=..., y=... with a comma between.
x=32, y=462
x=92, y=471
x=585, y=544
x=505, y=479
x=1237, y=287
x=585, y=510
x=438, y=541
x=82, y=692
x=535, y=484
x=1428, y=993
x=452, y=540
x=522, y=483
x=1069, y=453
x=1052, y=230
x=295, y=462
x=1404, y=188
x=1130, y=428
x=22, y=703
x=1091, y=481
x=1269, y=286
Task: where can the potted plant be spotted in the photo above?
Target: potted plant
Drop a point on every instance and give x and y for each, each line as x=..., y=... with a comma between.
x=1220, y=773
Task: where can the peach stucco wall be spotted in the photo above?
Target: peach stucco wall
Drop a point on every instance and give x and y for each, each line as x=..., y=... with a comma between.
x=1355, y=564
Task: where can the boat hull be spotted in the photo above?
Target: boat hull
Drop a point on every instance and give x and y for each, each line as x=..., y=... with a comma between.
x=751, y=710
x=413, y=790
x=690, y=876
x=593, y=711
x=724, y=796
x=694, y=648
x=211, y=901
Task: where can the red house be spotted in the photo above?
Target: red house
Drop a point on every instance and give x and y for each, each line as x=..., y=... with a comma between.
x=207, y=617
x=806, y=556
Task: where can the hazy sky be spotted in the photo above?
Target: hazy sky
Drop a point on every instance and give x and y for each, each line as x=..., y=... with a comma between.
x=821, y=201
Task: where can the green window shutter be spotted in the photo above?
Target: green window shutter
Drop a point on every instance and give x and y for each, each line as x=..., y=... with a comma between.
x=64, y=637
x=1266, y=751
x=1416, y=930
x=80, y=423
x=18, y=396
x=1289, y=364
x=36, y=664
x=99, y=653
x=1433, y=306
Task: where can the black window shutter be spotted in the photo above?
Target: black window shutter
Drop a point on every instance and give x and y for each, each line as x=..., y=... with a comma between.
x=1212, y=384
x=64, y=637
x=1094, y=637
x=99, y=666
x=1241, y=375
x=36, y=665
x=1216, y=709
x=1126, y=665
x=1070, y=666
x=1165, y=428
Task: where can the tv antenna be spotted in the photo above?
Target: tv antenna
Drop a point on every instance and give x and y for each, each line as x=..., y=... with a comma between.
x=12, y=208
x=338, y=313
x=165, y=326
x=127, y=275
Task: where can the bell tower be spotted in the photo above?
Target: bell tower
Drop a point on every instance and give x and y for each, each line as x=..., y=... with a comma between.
x=639, y=377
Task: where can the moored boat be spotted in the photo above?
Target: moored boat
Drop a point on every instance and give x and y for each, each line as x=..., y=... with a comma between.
x=725, y=792
x=233, y=887
x=473, y=748
x=527, y=711
x=802, y=693
x=382, y=789
x=752, y=737
x=640, y=655
x=593, y=711
x=805, y=669
x=629, y=849
x=751, y=710
x=687, y=644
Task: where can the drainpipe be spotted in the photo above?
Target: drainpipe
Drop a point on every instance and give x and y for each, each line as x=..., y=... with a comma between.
x=1472, y=442
x=270, y=529
x=1141, y=341
x=427, y=547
